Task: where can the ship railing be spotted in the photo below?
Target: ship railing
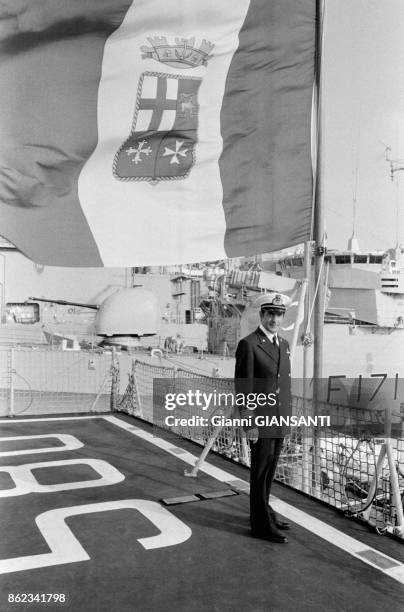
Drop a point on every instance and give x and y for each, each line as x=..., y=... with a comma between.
x=350, y=464
x=43, y=380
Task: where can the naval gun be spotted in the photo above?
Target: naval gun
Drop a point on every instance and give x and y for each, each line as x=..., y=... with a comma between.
x=64, y=303
x=123, y=317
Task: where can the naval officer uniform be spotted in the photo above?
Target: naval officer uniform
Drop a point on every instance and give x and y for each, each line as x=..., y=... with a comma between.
x=263, y=367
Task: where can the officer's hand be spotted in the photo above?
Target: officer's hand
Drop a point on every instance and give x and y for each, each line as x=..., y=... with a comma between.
x=252, y=434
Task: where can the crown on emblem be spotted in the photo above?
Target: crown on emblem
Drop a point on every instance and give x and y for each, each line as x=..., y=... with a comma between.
x=182, y=53
x=277, y=300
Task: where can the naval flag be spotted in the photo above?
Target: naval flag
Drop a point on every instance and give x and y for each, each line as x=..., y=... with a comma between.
x=147, y=132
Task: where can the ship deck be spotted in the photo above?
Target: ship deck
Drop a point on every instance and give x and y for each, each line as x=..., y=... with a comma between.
x=145, y=537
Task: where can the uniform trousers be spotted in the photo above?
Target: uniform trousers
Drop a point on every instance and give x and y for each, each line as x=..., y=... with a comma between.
x=264, y=458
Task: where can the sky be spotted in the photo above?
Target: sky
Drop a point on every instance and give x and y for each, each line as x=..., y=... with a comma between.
x=363, y=93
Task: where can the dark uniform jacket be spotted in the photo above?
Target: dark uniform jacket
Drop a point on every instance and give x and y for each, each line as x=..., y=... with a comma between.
x=262, y=367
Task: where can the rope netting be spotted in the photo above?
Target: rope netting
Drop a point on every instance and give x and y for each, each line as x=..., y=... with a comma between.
x=49, y=381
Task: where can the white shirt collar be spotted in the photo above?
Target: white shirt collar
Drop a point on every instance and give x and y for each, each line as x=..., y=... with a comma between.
x=269, y=335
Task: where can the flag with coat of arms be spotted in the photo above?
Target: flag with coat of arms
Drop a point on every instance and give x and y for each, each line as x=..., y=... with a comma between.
x=147, y=132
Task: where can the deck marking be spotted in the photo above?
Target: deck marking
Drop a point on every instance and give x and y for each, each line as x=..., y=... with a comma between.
x=326, y=532
x=26, y=482
x=239, y=485
x=69, y=443
x=178, y=451
x=14, y=421
x=169, y=447
x=379, y=560
x=317, y=527
x=367, y=554
x=66, y=548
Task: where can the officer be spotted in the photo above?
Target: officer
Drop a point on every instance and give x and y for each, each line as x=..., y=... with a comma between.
x=263, y=367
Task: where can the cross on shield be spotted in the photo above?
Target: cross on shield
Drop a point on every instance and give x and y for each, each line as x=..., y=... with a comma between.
x=161, y=145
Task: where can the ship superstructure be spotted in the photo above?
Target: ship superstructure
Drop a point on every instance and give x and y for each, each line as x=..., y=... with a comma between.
x=364, y=287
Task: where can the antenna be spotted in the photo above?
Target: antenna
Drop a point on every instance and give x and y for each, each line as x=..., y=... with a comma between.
x=396, y=165
x=354, y=202
x=353, y=244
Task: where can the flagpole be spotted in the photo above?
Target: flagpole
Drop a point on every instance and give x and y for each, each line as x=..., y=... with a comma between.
x=307, y=437
x=319, y=245
x=319, y=232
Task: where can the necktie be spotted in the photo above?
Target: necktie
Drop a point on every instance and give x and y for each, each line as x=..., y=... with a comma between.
x=274, y=342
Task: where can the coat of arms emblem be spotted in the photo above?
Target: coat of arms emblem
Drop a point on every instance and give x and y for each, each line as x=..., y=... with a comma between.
x=161, y=144
x=164, y=132
x=182, y=54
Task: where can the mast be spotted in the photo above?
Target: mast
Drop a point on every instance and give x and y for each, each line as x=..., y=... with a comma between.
x=311, y=477
x=319, y=225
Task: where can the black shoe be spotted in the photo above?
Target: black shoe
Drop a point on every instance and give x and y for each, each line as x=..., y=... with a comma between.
x=278, y=523
x=282, y=524
x=269, y=536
